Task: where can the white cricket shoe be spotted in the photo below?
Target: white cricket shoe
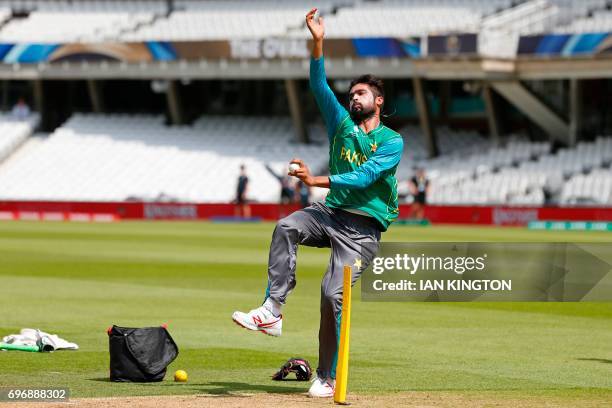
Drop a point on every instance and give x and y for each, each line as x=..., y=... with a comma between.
x=260, y=319
x=322, y=388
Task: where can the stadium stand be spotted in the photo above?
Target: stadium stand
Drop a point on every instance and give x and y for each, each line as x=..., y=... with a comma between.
x=119, y=157
x=524, y=173
x=479, y=173
x=599, y=21
x=216, y=20
x=405, y=19
x=498, y=22
x=123, y=157
x=399, y=18
x=26, y=6
x=572, y=10
x=137, y=157
x=80, y=21
x=14, y=132
x=594, y=188
x=471, y=170
x=500, y=32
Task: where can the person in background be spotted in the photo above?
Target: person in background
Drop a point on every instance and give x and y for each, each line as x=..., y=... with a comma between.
x=287, y=192
x=242, y=206
x=302, y=194
x=286, y=196
x=21, y=110
x=419, y=188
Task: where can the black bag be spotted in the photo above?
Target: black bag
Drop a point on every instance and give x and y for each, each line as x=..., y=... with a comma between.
x=140, y=355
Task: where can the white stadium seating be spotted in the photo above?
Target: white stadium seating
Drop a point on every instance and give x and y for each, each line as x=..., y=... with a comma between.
x=221, y=23
x=80, y=21
x=24, y=6
x=472, y=171
x=90, y=21
x=499, y=23
x=600, y=21
x=500, y=33
x=594, y=188
x=14, y=132
x=120, y=157
x=123, y=157
x=218, y=20
x=408, y=18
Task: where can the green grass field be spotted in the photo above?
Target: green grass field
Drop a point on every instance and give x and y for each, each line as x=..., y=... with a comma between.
x=77, y=279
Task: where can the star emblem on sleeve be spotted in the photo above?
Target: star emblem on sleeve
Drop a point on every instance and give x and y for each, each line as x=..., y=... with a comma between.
x=357, y=263
x=373, y=147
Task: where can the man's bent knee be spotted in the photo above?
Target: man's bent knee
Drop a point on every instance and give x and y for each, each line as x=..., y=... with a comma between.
x=288, y=223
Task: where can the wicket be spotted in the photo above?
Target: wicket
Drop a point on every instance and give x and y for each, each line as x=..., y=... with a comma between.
x=343, y=352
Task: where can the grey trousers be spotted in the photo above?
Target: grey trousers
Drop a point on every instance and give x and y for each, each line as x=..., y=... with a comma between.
x=321, y=226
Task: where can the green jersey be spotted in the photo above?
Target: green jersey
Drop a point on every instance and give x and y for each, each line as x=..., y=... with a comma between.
x=362, y=165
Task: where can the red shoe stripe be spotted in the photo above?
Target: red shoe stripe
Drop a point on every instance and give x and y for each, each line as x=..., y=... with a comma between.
x=264, y=325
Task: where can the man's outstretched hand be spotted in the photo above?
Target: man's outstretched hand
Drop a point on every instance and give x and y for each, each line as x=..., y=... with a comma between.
x=316, y=26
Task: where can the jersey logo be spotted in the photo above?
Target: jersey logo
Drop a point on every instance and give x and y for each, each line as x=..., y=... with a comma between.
x=373, y=147
x=357, y=132
x=352, y=156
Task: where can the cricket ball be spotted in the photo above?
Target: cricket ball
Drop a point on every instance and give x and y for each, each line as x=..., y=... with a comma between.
x=180, y=376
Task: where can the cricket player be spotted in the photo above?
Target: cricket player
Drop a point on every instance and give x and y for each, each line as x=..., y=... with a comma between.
x=361, y=203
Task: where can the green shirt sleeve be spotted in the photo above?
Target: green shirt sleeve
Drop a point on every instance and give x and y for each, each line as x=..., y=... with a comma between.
x=333, y=112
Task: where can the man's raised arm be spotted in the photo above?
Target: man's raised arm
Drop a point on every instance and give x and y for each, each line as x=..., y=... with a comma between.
x=333, y=112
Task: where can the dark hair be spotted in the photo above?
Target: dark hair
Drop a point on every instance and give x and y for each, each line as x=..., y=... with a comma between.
x=376, y=84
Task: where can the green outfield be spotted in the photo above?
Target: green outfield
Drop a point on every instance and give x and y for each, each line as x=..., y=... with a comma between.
x=76, y=279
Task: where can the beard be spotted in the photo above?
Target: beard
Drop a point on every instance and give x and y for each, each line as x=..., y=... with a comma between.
x=361, y=113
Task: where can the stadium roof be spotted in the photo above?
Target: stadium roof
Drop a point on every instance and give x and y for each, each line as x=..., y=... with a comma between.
x=430, y=68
